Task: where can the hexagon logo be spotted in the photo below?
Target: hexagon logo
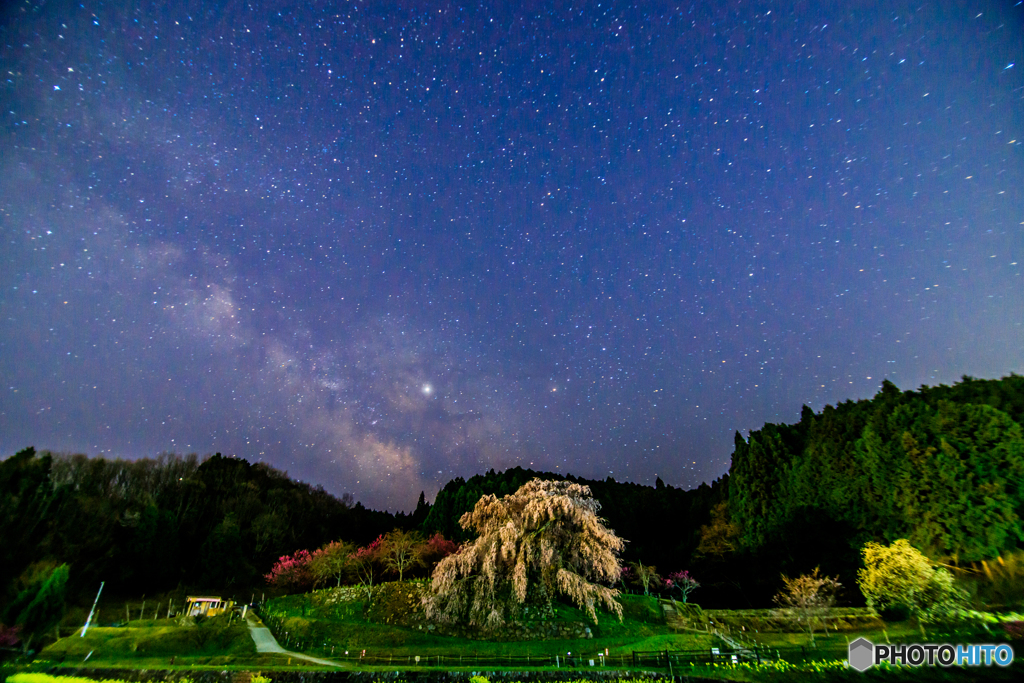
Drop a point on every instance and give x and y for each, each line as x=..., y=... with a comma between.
x=862, y=654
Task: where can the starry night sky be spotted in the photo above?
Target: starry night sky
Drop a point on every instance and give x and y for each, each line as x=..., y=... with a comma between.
x=380, y=245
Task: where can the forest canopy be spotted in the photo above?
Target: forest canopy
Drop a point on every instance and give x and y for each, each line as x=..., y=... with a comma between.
x=942, y=467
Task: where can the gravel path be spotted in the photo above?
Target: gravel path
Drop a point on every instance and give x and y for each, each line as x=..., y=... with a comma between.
x=266, y=642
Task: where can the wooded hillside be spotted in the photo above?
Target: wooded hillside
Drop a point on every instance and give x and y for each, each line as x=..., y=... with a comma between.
x=942, y=466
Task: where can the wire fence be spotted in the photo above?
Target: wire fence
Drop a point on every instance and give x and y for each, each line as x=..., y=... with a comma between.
x=803, y=653
x=661, y=659
x=653, y=659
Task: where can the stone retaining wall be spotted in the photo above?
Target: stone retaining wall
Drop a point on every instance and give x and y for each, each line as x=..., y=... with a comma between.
x=401, y=604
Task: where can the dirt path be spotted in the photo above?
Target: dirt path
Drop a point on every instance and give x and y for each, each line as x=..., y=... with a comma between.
x=266, y=642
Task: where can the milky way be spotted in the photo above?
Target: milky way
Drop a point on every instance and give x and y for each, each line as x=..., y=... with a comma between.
x=380, y=245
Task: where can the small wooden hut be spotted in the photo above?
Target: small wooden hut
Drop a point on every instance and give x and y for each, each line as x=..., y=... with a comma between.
x=205, y=605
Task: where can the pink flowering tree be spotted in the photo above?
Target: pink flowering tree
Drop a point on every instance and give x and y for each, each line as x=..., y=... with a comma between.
x=436, y=548
x=681, y=582
x=331, y=563
x=9, y=636
x=626, y=576
x=367, y=565
x=292, y=573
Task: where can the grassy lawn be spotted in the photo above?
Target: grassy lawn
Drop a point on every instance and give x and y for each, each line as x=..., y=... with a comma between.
x=327, y=631
x=345, y=627
x=155, y=642
x=771, y=673
x=309, y=624
x=900, y=632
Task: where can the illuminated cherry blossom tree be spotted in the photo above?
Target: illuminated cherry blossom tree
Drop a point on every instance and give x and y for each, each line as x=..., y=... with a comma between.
x=543, y=540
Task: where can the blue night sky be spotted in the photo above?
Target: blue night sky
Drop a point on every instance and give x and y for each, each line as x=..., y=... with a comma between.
x=380, y=245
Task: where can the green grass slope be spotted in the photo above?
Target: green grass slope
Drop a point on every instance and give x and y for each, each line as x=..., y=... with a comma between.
x=321, y=624
x=157, y=641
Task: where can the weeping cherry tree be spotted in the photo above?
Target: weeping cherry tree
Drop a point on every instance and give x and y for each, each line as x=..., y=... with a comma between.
x=541, y=541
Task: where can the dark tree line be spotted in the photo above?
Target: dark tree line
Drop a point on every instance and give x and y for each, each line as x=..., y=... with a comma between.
x=661, y=524
x=941, y=466
x=153, y=525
